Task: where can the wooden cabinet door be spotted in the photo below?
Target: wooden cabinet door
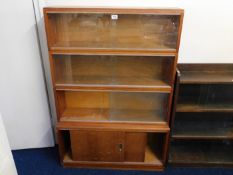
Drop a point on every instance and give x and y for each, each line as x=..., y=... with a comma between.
x=97, y=146
x=134, y=147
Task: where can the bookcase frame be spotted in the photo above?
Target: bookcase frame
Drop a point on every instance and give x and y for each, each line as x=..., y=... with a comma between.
x=65, y=126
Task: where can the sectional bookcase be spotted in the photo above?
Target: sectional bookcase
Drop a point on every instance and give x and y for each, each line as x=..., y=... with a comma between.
x=113, y=72
x=202, y=133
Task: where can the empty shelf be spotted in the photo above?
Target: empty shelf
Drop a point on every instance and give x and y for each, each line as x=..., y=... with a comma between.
x=106, y=115
x=201, y=153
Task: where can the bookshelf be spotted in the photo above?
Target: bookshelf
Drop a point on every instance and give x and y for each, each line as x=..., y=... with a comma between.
x=113, y=72
x=202, y=118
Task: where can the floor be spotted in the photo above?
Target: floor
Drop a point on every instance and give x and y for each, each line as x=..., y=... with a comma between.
x=45, y=162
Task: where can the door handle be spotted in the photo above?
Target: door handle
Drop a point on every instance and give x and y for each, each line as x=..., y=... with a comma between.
x=120, y=147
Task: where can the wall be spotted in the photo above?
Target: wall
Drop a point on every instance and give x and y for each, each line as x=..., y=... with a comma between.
x=207, y=31
x=23, y=99
x=7, y=165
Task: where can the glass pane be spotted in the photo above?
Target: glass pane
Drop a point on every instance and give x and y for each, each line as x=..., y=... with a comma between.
x=118, y=31
x=216, y=152
x=205, y=98
x=203, y=125
x=113, y=106
x=113, y=70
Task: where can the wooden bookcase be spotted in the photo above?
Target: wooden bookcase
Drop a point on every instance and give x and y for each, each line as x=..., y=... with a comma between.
x=113, y=72
x=202, y=123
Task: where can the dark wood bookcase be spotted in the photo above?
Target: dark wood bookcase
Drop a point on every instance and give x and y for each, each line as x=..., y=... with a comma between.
x=202, y=121
x=113, y=72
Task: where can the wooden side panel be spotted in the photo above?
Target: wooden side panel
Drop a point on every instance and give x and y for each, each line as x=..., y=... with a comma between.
x=135, y=146
x=61, y=143
x=61, y=103
x=97, y=146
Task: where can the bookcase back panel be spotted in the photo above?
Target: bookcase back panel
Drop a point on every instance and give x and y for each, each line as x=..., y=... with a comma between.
x=113, y=70
x=113, y=31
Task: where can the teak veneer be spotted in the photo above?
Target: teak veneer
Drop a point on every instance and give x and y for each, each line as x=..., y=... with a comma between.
x=113, y=72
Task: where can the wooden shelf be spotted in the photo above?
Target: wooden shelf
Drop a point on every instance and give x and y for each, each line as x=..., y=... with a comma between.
x=216, y=153
x=152, y=162
x=202, y=133
x=207, y=77
x=206, y=73
x=96, y=45
x=203, y=126
x=75, y=47
x=123, y=107
x=131, y=52
x=116, y=52
x=160, y=87
x=111, y=115
x=205, y=98
x=100, y=31
x=203, y=130
x=146, y=11
x=107, y=84
x=106, y=72
x=114, y=126
x=190, y=107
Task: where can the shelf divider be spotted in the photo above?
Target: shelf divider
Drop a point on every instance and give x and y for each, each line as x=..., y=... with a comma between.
x=114, y=126
x=189, y=107
x=126, y=88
